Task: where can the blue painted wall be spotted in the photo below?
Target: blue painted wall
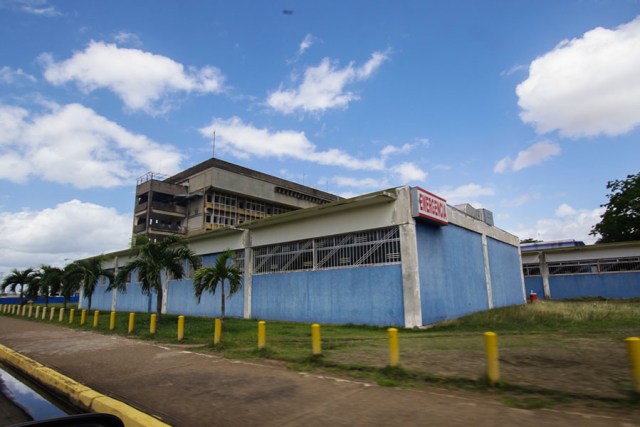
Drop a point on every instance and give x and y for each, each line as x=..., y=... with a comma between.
x=367, y=295
x=506, y=274
x=39, y=300
x=181, y=301
x=133, y=300
x=534, y=283
x=609, y=285
x=100, y=300
x=452, y=279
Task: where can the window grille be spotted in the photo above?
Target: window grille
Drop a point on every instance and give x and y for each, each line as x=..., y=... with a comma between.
x=240, y=260
x=531, y=269
x=371, y=247
x=228, y=210
x=592, y=266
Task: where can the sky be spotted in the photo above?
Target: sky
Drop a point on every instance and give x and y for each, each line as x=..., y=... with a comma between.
x=526, y=108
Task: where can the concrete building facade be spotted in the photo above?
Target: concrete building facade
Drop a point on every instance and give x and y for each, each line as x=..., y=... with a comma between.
x=215, y=194
x=573, y=270
x=400, y=257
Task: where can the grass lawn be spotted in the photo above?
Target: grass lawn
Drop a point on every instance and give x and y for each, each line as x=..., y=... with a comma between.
x=550, y=352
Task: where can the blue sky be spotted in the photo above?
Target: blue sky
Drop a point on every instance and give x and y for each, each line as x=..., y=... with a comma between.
x=526, y=108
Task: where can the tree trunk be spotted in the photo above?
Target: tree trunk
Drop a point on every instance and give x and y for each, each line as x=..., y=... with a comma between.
x=89, y=308
x=159, y=303
x=222, y=300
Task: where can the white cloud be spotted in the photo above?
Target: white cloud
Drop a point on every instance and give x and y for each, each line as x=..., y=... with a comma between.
x=131, y=39
x=586, y=86
x=144, y=81
x=305, y=44
x=565, y=210
x=33, y=7
x=408, y=172
x=534, y=155
x=11, y=76
x=465, y=193
x=441, y=167
x=74, y=145
x=568, y=223
x=521, y=200
x=323, y=87
x=405, y=148
x=515, y=69
x=70, y=230
x=343, y=181
x=245, y=140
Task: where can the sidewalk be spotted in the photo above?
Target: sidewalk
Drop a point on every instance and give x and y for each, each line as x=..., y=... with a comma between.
x=184, y=388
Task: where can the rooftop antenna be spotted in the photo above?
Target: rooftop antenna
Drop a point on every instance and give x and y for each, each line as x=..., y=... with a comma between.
x=213, y=154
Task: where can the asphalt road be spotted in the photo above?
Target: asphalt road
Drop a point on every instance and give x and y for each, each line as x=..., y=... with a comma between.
x=186, y=388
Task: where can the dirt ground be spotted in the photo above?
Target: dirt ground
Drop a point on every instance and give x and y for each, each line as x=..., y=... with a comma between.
x=593, y=366
x=187, y=388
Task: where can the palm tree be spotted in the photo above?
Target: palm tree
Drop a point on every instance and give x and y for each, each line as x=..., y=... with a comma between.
x=224, y=269
x=155, y=262
x=71, y=282
x=90, y=270
x=18, y=278
x=50, y=281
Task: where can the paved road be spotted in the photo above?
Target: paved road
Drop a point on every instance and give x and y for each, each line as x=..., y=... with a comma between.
x=192, y=389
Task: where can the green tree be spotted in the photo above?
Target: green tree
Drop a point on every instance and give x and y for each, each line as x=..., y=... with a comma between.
x=155, y=263
x=50, y=281
x=19, y=279
x=224, y=269
x=71, y=282
x=89, y=271
x=621, y=219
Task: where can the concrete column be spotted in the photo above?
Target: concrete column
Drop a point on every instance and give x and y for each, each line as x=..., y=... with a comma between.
x=487, y=270
x=410, y=275
x=544, y=272
x=248, y=273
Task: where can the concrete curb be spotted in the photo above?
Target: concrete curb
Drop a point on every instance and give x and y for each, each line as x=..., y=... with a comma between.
x=80, y=395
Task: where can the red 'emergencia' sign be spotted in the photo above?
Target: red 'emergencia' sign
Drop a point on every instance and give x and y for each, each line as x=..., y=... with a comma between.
x=429, y=206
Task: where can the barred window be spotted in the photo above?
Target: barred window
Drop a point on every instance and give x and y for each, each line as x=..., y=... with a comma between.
x=595, y=266
x=371, y=247
x=240, y=260
x=531, y=269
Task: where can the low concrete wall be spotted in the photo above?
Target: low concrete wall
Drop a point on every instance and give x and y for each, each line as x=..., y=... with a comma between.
x=76, y=393
x=366, y=295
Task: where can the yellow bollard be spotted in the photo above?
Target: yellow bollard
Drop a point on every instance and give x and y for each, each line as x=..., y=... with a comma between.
x=217, y=331
x=61, y=316
x=53, y=312
x=262, y=334
x=394, y=347
x=37, y=312
x=24, y=309
x=316, y=343
x=112, y=321
x=152, y=323
x=132, y=319
x=44, y=313
x=83, y=317
x=491, y=350
x=633, y=348
x=30, y=310
x=72, y=315
x=96, y=316
x=180, y=328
